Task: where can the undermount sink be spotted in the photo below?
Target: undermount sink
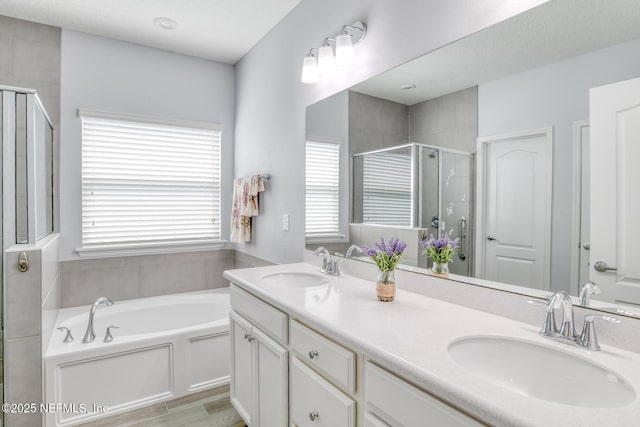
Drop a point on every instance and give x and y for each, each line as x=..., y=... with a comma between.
x=296, y=279
x=532, y=369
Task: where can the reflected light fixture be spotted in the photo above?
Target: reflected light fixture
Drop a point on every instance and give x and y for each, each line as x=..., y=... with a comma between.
x=310, y=72
x=326, y=63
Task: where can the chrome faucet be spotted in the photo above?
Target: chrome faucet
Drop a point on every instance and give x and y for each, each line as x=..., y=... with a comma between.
x=588, y=289
x=330, y=265
x=90, y=335
x=353, y=248
x=567, y=333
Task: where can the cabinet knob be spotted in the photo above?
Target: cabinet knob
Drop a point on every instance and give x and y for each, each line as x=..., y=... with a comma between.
x=313, y=415
x=312, y=355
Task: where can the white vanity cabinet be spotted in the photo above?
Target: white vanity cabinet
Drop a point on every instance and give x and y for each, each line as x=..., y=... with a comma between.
x=259, y=365
x=391, y=401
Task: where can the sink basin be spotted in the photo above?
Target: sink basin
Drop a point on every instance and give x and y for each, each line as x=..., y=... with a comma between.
x=531, y=369
x=296, y=279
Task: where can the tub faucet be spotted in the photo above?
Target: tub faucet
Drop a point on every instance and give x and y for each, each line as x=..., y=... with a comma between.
x=90, y=335
x=588, y=289
x=352, y=249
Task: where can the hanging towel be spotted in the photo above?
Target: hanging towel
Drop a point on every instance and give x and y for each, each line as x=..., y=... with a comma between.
x=244, y=206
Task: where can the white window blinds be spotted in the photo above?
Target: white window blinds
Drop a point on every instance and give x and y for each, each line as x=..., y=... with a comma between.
x=387, y=189
x=147, y=183
x=322, y=189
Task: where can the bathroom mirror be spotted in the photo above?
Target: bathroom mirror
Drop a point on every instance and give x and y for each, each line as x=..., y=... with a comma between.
x=522, y=84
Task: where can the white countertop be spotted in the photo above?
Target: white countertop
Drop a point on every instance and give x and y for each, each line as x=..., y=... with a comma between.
x=410, y=337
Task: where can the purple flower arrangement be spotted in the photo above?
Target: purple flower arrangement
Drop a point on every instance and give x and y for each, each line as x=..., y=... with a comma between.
x=386, y=255
x=440, y=250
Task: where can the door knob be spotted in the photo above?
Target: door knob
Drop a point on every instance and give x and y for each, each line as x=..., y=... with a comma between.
x=602, y=266
x=490, y=238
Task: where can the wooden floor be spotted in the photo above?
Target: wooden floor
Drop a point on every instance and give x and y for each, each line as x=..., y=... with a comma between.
x=210, y=408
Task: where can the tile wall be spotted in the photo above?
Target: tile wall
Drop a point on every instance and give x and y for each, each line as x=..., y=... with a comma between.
x=32, y=302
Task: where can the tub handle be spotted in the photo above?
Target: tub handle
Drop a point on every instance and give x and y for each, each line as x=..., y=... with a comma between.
x=108, y=337
x=67, y=337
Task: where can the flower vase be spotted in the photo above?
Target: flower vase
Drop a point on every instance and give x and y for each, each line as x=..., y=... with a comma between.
x=386, y=286
x=440, y=269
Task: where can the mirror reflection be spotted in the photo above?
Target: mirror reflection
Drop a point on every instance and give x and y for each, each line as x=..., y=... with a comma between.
x=486, y=140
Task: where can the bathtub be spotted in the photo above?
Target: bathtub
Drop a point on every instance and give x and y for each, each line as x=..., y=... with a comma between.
x=165, y=347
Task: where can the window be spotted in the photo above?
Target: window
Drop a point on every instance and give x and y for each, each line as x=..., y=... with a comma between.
x=322, y=190
x=147, y=183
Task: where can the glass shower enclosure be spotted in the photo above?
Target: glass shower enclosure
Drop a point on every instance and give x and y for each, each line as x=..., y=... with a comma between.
x=26, y=211
x=420, y=187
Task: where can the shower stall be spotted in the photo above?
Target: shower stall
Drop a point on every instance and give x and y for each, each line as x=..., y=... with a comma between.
x=417, y=187
x=26, y=212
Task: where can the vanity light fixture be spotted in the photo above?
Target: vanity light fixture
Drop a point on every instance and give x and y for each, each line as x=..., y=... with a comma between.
x=326, y=63
x=165, y=23
x=310, y=72
x=326, y=60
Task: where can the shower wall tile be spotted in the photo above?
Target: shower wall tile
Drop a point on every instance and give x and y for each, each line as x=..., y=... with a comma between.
x=23, y=378
x=23, y=295
x=50, y=307
x=449, y=121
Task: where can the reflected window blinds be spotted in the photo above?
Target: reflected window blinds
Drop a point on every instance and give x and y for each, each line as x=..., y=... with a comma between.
x=322, y=189
x=387, y=189
x=148, y=183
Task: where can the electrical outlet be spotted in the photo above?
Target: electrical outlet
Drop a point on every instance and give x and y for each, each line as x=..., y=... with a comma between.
x=285, y=222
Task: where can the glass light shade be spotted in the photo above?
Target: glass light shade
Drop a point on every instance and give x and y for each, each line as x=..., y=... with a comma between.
x=310, y=72
x=345, y=54
x=326, y=60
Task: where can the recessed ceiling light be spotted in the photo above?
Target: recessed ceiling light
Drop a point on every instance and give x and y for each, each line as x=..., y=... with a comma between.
x=408, y=87
x=165, y=23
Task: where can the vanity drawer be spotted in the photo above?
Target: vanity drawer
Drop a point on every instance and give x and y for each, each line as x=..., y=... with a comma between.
x=268, y=318
x=317, y=403
x=398, y=403
x=331, y=359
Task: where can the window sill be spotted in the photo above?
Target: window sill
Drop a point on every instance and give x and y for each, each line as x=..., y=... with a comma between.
x=335, y=238
x=148, y=249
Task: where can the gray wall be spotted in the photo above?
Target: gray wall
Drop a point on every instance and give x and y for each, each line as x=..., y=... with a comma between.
x=376, y=123
x=449, y=121
x=109, y=75
x=555, y=95
x=271, y=100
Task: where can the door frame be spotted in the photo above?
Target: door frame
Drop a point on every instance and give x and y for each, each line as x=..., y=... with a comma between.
x=576, y=211
x=481, y=208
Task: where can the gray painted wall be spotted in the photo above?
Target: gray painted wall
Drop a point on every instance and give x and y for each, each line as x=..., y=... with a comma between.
x=555, y=95
x=271, y=100
x=109, y=75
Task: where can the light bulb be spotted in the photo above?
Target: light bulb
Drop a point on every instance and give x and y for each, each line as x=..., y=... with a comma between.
x=310, y=70
x=326, y=60
x=345, y=54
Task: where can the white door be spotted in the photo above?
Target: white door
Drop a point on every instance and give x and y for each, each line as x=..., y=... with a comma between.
x=514, y=213
x=615, y=190
x=271, y=381
x=242, y=366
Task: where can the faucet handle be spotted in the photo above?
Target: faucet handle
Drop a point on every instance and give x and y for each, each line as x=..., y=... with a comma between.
x=108, y=337
x=68, y=337
x=549, y=327
x=588, y=338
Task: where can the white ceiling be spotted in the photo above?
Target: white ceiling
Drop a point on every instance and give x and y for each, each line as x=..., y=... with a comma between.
x=220, y=30
x=548, y=33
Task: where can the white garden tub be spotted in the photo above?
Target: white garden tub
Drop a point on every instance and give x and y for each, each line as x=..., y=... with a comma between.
x=165, y=347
